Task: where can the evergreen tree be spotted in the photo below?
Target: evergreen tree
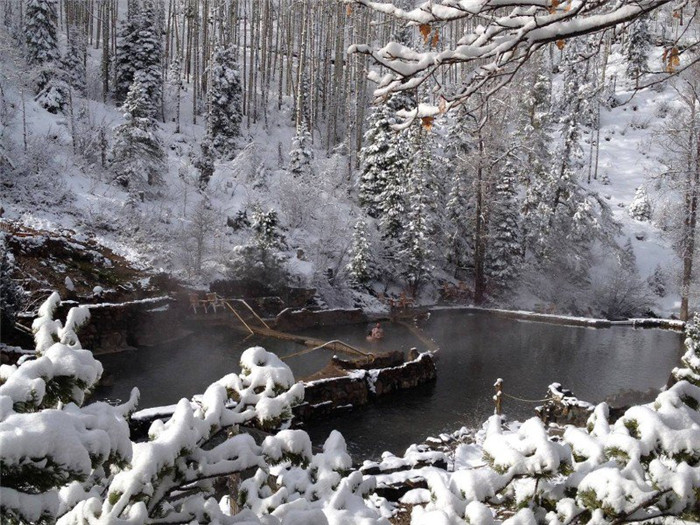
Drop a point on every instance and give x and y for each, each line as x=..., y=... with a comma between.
x=127, y=46
x=567, y=202
x=658, y=282
x=628, y=260
x=459, y=209
x=139, y=53
x=56, y=94
x=415, y=251
x=384, y=154
x=637, y=48
x=359, y=265
x=504, y=255
x=40, y=32
x=175, y=81
x=459, y=228
x=265, y=226
x=225, y=106
x=137, y=153
x=535, y=132
x=640, y=207
x=301, y=155
x=423, y=209
x=42, y=52
x=74, y=60
x=562, y=219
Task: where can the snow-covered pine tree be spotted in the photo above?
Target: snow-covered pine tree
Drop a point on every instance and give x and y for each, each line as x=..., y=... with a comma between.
x=139, y=50
x=265, y=226
x=56, y=95
x=640, y=207
x=137, y=153
x=628, y=260
x=359, y=267
x=127, y=46
x=301, y=155
x=658, y=282
x=74, y=60
x=535, y=134
x=204, y=163
x=175, y=81
x=383, y=154
x=423, y=193
x=637, y=48
x=40, y=32
x=225, y=102
x=504, y=254
x=566, y=194
x=459, y=224
x=415, y=251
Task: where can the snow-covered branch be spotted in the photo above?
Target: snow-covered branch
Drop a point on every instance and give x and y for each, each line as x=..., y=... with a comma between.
x=500, y=36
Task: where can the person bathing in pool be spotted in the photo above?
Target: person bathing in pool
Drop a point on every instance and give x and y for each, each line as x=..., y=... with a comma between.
x=376, y=333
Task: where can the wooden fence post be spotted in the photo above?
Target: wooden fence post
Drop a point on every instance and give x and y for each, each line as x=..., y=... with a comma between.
x=497, y=398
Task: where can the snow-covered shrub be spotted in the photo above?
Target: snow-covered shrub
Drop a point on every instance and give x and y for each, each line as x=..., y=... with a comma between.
x=254, y=264
x=61, y=459
x=690, y=371
x=195, y=238
x=621, y=293
x=50, y=444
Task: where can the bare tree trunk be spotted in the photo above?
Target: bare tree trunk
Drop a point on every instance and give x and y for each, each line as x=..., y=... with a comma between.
x=24, y=121
x=479, y=233
x=691, y=208
x=105, y=51
x=300, y=71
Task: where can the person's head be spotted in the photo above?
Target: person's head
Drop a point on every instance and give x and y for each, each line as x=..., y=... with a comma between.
x=379, y=325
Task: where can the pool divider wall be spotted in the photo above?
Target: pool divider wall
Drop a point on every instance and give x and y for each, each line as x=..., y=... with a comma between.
x=327, y=397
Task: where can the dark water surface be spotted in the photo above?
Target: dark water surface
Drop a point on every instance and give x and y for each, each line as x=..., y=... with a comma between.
x=475, y=350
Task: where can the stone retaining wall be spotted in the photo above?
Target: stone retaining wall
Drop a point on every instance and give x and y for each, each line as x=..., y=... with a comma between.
x=117, y=327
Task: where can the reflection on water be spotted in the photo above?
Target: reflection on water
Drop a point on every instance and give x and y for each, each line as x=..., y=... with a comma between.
x=474, y=351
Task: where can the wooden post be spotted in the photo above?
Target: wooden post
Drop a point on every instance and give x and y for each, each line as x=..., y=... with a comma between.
x=497, y=398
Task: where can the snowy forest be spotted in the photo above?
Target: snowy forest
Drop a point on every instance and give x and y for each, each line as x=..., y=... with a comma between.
x=539, y=155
